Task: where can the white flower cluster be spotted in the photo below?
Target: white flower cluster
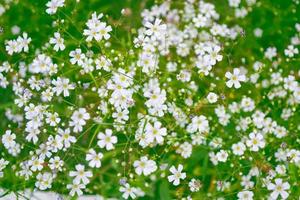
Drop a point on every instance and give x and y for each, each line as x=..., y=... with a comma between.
x=97, y=29
x=18, y=45
x=53, y=5
x=170, y=107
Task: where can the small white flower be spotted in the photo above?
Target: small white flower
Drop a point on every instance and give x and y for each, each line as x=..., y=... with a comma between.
x=222, y=156
x=3, y=164
x=53, y=5
x=36, y=164
x=94, y=158
x=195, y=185
x=77, y=57
x=44, y=181
x=8, y=139
x=238, y=148
x=177, y=174
x=12, y=46
x=271, y=52
x=107, y=140
x=144, y=166
x=291, y=51
x=199, y=124
x=58, y=42
x=212, y=97
x=156, y=29
x=281, y=169
x=255, y=141
x=24, y=42
x=56, y=163
x=61, y=85
x=66, y=137
x=80, y=174
x=78, y=119
x=279, y=188
x=52, y=119
x=128, y=191
x=235, y=78
x=245, y=195
x=155, y=133
x=234, y=3
x=76, y=188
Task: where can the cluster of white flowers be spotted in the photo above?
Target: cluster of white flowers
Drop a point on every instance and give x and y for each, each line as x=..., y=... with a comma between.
x=85, y=116
x=18, y=45
x=4, y=69
x=3, y=164
x=97, y=29
x=53, y=5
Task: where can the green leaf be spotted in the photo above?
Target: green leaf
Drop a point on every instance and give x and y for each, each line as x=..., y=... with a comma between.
x=164, y=191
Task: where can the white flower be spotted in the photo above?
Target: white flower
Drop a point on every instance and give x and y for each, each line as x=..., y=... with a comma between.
x=127, y=191
x=195, y=185
x=41, y=64
x=155, y=133
x=279, y=188
x=80, y=174
x=36, y=164
x=294, y=156
x=104, y=31
x=222, y=156
x=214, y=56
x=280, y=132
x=255, y=141
x=291, y=51
x=212, y=97
x=58, y=42
x=94, y=158
x=247, y=104
x=96, y=29
x=61, y=85
x=185, y=149
x=238, y=148
x=66, y=137
x=281, y=169
x=56, y=163
x=78, y=119
x=258, y=32
x=271, y=52
x=246, y=182
x=77, y=57
x=3, y=164
x=156, y=29
x=44, y=181
x=12, y=46
x=53, y=5
x=8, y=139
x=200, y=21
x=176, y=175
x=234, y=3
x=52, y=119
x=144, y=166
x=199, y=124
x=24, y=42
x=245, y=195
x=76, y=188
x=235, y=78
x=107, y=140
x=99, y=32
x=120, y=115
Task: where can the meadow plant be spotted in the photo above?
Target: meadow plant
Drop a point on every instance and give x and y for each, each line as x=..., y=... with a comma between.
x=169, y=99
